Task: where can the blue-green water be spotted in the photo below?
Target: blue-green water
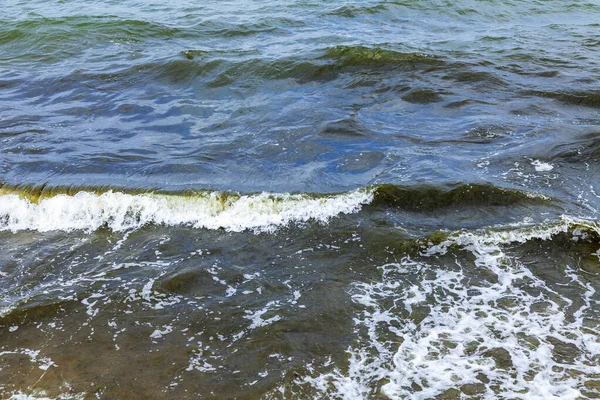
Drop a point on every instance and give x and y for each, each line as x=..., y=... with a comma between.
x=356, y=200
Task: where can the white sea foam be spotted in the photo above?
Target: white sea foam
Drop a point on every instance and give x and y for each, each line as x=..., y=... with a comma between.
x=87, y=211
x=498, y=334
x=4, y=311
x=541, y=166
x=41, y=395
x=43, y=363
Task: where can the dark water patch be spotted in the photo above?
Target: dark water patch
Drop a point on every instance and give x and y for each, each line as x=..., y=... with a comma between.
x=253, y=72
x=179, y=71
x=489, y=38
x=423, y=96
x=35, y=310
x=23, y=130
x=347, y=128
x=587, y=99
x=133, y=109
x=193, y=281
x=11, y=84
x=591, y=42
x=463, y=103
x=564, y=353
x=303, y=71
x=547, y=74
x=194, y=54
x=487, y=133
x=171, y=71
x=9, y=35
x=361, y=56
x=27, y=150
x=353, y=11
x=431, y=198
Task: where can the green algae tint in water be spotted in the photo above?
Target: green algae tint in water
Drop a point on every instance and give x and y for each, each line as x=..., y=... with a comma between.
x=299, y=200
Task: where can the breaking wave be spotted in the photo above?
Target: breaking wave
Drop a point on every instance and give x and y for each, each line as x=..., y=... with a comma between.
x=120, y=211
x=45, y=208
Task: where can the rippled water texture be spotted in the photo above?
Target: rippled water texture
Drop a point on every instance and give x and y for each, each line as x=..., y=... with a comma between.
x=300, y=200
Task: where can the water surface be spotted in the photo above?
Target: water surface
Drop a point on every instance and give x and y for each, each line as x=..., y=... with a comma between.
x=356, y=200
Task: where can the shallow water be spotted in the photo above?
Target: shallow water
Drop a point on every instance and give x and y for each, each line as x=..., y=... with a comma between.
x=355, y=200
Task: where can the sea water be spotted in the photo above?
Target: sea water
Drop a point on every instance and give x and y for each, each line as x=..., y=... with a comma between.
x=299, y=200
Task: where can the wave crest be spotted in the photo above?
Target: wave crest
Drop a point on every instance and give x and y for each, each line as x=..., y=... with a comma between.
x=120, y=211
